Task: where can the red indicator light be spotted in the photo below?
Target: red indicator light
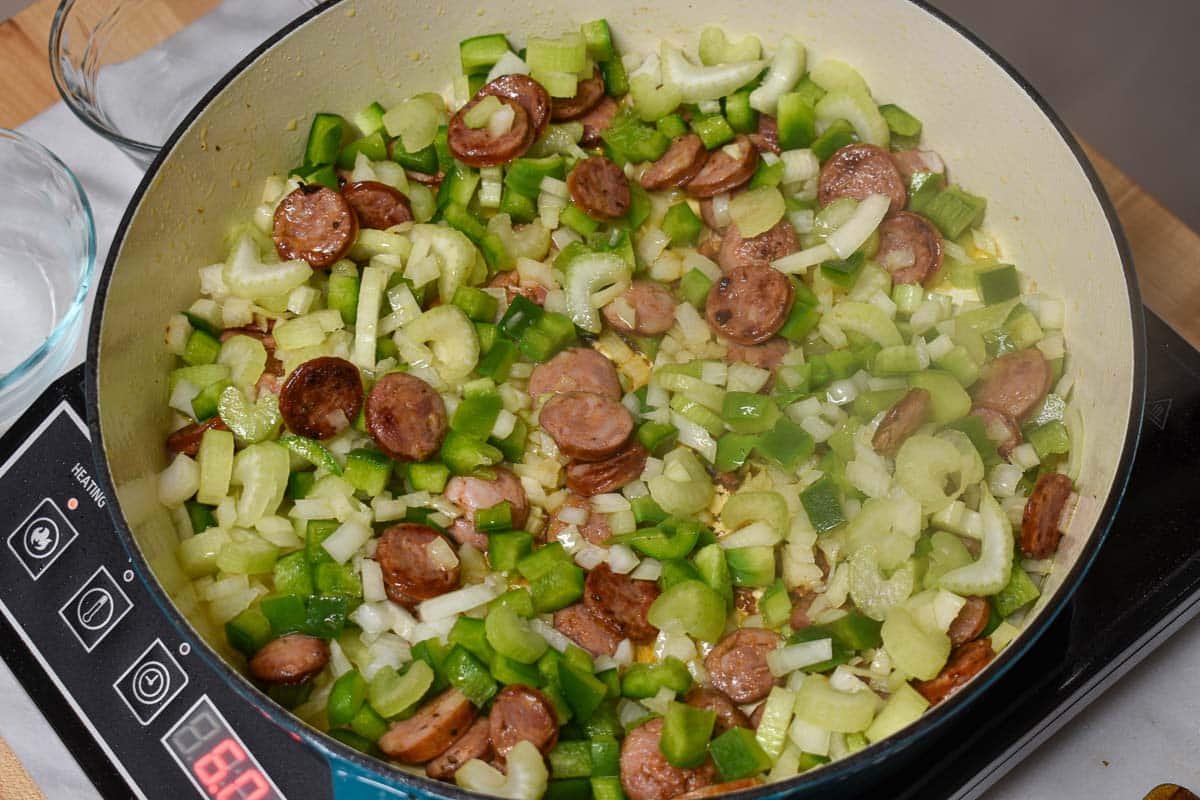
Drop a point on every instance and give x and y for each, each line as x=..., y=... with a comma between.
x=72, y=504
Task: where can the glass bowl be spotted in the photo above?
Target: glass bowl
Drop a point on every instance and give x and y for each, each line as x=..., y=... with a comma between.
x=132, y=69
x=47, y=252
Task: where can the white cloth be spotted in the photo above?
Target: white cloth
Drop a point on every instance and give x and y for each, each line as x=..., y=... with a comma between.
x=1138, y=735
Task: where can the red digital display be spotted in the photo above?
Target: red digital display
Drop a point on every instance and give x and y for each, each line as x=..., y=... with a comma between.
x=216, y=760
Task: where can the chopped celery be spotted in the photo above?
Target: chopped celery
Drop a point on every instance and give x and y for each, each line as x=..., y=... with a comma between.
x=818, y=703
x=903, y=707
x=948, y=401
x=691, y=608
x=479, y=53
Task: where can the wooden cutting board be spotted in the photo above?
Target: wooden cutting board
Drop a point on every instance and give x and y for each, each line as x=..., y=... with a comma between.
x=1166, y=252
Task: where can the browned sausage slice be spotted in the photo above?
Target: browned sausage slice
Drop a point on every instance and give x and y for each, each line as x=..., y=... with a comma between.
x=1016, y=383
x=597, y=121
x=965, y=663
x=588, y=93
x=723, y=172
x=721, y=789
x=314, y=223
x=590, y=478
x=510, y=282
x=750, y=304
x=186, y=440
x=738, y=664
x=744, y=600
x=586, y=426
x=1001, y=428
x=475, y=743
x=471, y=494
x=859, y=171
x=647, y=775
x=528, y=93
x=1039, y=524
x=728, y=714
x=376, y=204
x=477, y=147
x=594, y=632
x=522, y=714
x=767, y=137
x=910, y=247
x=290, y=659
x=406, y=417
x=598, y=186
x=653, y=310
x=682, y=161
x=410, y=574
x=321, y=397
x=970, y=622
x=768, y=355
x=801, y=602
x=901, y=421
x=623, y=599
x=595, y=530
x=579, y=369
x=428, y=733
x=758, y=251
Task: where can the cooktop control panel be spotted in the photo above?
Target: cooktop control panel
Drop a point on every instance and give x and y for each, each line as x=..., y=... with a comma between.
x=128, y=695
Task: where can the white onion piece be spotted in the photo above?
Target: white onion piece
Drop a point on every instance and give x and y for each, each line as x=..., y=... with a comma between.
x=862, y=223
x=797, y=656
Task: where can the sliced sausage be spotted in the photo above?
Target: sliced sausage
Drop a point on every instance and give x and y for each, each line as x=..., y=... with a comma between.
x=766, y=139
x=1001, y=428
x=647, y=775
x=586, y=426
x=859, y=171
x=1016, y=383
x=768, y=355
x=579, y=369
x=527, y=93
x=801, y=602
x=738, y=664
x=744, y=600
x=728, y=714
x=759, y=251
x=723, y=172
x=595, y=530
x=910, y=162
x=475, y=743
x=472, y=494
x=682, y=161
x=1040, y=530
x=750, y=304
x=597, y=121
x=477, y=147
x=406, y=417
x=653, y=310
x=910, y=247
x=314, y=223
x=590, y=478
x=623, y=599
x=428, y=733
x=425, y=179
x=965, y=663
x=594, y=632
x=598, y=186
x=901, y=421
x=186, y=440
x=410, y=574
x=970, y=622
x=321, y=397
x=522, y=714
x=510, y=282
x=377, y=205
x=721, y=789
x=290, y=659
x=588, y=94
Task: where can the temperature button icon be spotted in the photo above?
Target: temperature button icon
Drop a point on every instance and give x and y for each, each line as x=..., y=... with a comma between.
x=41, y=538
x=151, y=682
x=95, y=609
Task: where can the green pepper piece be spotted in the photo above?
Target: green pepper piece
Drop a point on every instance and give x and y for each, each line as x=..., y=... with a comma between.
x=685, y=734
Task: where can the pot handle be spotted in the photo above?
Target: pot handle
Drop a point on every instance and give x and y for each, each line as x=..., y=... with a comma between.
x=352, y=782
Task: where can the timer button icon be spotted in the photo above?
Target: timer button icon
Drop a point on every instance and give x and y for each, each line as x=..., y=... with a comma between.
x=151, y=682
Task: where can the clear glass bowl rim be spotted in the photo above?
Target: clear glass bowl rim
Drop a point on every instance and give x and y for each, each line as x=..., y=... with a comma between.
x=57, y=29
x=63, y=326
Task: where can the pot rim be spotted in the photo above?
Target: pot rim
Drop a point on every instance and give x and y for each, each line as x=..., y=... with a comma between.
x=845, y=768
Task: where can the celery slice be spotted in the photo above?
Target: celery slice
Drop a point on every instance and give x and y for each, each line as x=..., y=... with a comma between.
x=699, y=83
x=691, y=608
x=818, y=703
x=370, y=299
x=786, y=68
x=717, y=48
x=757, y=210
x=930, y=469
x=753, y=506
x=989, y=573
x=249, y=423
x=918, y=652
x=415, y=121
x=588, y=276
x=216, y=466
x=684, y=487
x=247, y=276
x=867, y=319
x=452, y=339
x=859, y=110
x=904, y=706
x=262, y=472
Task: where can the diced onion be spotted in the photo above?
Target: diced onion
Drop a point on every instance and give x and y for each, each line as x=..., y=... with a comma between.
x=801, y=260
x=856, y=230
x=649, y=570
x=1024, y=456
x=460, y=600
x=441, y=553
x=1004, y=479
x=548, y=632
x=573, y=515
x=809, y=738
x=346, y=540
x=622, y=559
x=720, y=209
x=590, y=556
x=756, y=534
x=179, y=481
x=797, y=656
x=372, y=581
